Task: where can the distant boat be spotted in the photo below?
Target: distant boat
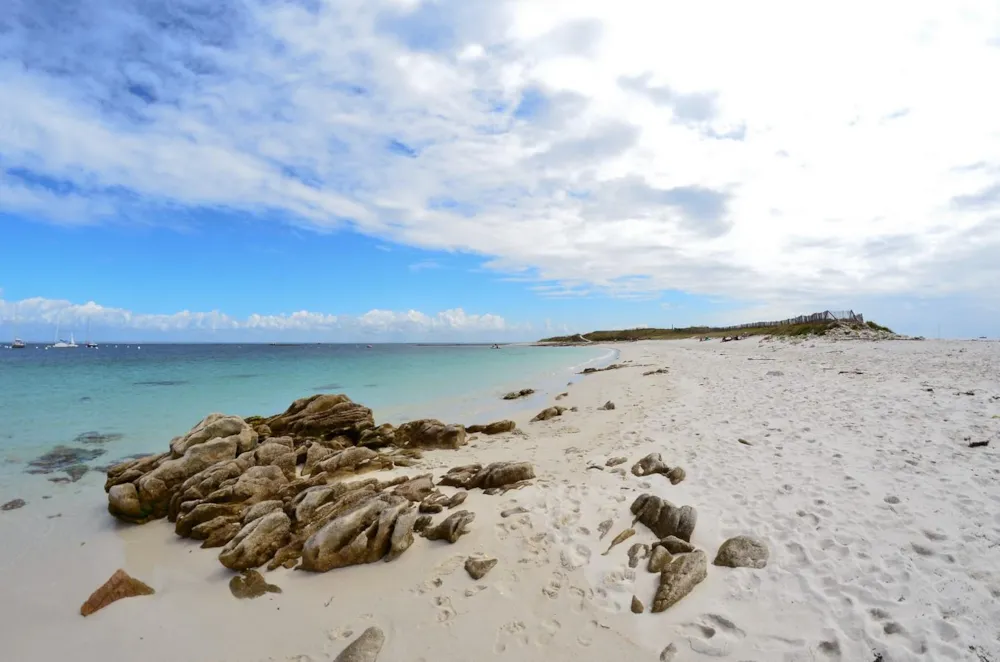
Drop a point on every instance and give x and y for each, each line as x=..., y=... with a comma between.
x=62, y=344
x=369, y=346
x=90, y=344
x=18, y=344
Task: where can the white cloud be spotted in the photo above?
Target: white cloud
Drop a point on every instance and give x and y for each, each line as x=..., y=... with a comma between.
x=769, y=151
x=409, y=324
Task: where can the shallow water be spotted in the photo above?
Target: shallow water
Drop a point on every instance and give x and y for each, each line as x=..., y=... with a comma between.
x=142, y=396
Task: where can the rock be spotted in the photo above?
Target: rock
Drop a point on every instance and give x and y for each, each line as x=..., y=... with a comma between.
x=14, y=504
x=615, y=461
x=259, y=484
x=651, y=464
x=365, y=648
x=561, y=396
x=204, y=530
x=77, y=471
x=250, y=585
x=260, y=509
x=613, y=366
x=604, y=527
x=744, y=442
x=158, y=486
x=452, y=528
x=362, y=534
x=402, y=534
x=62, y=458
x=497, y=427
x=222, y=534
x=97, y=437
x=742, y=552
x=323, y=416
x=637, y=552
x=477, y=568
x=120, y=585
x=659, y=371
x=518, y=510
x=675, y=545
x=678, y=578
x=608, y=406
x=383, y=435
x=497, y=474
x=456, y=499
x=979, y=444
x=123, y=502
x=775, y=373
x=423, y=521
x=514, y=395
x=256, y=542
x=664, y=518
x=658, y=559
x=676, y=475
x=430, y=433
x=637, y=606
x=315, y=454
x=547, y=413
x=349, y=459
x=205, y=512
x=216, y=426
x=416, y=489
x=621, y=537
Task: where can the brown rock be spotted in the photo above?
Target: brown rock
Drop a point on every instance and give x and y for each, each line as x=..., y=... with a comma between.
x=651, y=464
x=499, y=474
x=523, y=393
x=679, y=578
x=205, y=529
x=260, y=509
x=383, y=435
x=675, y=545
x=452, y=528
x=743, y=552
x=607, y=406
x=497, y=427
x=323, y=416
x=205, y=512
x=658, y=559
x=477, y=568
x=221, y=535
x=416, y=489
x=365, y=648
x=429, y=433
x=676, y=475
x=621, y=537
x=615, y=461
x=250, y=585
x=362, y=534
x=547, y=413
x=256, y=542
x=120, y=585
x=216, y=426
x=637, y=606
x=123, y=502
x=664, y=518
x=402, y=534
x=350, y=459
x=423, y=521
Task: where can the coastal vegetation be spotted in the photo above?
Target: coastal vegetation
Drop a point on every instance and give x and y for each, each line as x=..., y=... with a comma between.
x=817, y=328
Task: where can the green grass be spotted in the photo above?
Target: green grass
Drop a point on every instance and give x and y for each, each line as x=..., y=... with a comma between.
x=797, y=330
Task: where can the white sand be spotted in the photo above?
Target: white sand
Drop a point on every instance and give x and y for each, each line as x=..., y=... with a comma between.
x=850, y=574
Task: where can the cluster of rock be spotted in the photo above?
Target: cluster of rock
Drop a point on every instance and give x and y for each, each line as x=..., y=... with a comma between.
x=523, y=393
x=284, y=491
x=613, y=366
x=654, y=464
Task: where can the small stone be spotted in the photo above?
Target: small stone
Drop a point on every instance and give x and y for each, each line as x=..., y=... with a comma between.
x=637, y=606
x=477, y=568
x=615, y=461
x=365, y=648
x=651, y=464
x=452, y=528
x=14, y=504
x=686, y=522
x=547, y=413
x=891, y=499
x=744, y=442
x=676, y=475
x=608, y=406
x=523, y=393
x=250, y=585
x=658, y=559
x=742, y=552
x=675, y=545
x=120, y=585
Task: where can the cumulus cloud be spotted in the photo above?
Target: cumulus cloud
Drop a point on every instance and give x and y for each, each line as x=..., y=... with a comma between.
x=777, y=150
x=40, y=312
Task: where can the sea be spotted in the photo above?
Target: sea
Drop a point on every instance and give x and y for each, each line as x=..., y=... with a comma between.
x=134, y=398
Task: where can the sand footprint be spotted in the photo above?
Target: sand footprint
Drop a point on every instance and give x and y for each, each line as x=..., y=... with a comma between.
x=515, y=632
x=550, y=628
x=554, y=585
x=715, y=635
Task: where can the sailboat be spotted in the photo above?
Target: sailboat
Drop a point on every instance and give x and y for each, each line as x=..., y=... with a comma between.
x=90, y=344
x=62, y=344
x=18, y=343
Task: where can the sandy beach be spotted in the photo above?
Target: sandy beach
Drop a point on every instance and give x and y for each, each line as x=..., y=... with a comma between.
x=882, y=525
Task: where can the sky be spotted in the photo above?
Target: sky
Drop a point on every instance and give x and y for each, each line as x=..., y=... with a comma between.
x=494, y=170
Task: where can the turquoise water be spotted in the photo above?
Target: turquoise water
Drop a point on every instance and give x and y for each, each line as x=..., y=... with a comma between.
x=152, y=393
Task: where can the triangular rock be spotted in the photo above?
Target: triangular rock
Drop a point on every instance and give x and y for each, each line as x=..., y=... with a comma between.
x=121, y=585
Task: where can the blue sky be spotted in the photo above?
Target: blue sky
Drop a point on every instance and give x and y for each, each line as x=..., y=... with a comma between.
x=492, y=170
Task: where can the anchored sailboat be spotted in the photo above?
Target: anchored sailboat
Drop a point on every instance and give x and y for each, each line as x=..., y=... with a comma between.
x=62, y=344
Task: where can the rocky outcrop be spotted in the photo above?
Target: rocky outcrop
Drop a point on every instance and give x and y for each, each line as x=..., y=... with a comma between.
x=678, y=578
x=361, y=535
x=497, y=427
x=324, y=417
x=120, y=585
x=547, y=413
x=742, y=552
x=365, y=648
x=257, y=542
x=429, y=433
x=380, y=437
x=497, y=474
x=664, y=518
x=523, y=393
x=452, y=528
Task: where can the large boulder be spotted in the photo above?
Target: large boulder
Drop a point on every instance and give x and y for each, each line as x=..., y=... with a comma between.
x=496, y=474
x=547, y=413
x=123, y=503
x=678, y=578
x=361, y=535
x=664, y=518
x=497, y=427
x=429, y=433
x=256, y=542
x=216, y=426
x=323, y=416
x=742, y=552
x=350, y=459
